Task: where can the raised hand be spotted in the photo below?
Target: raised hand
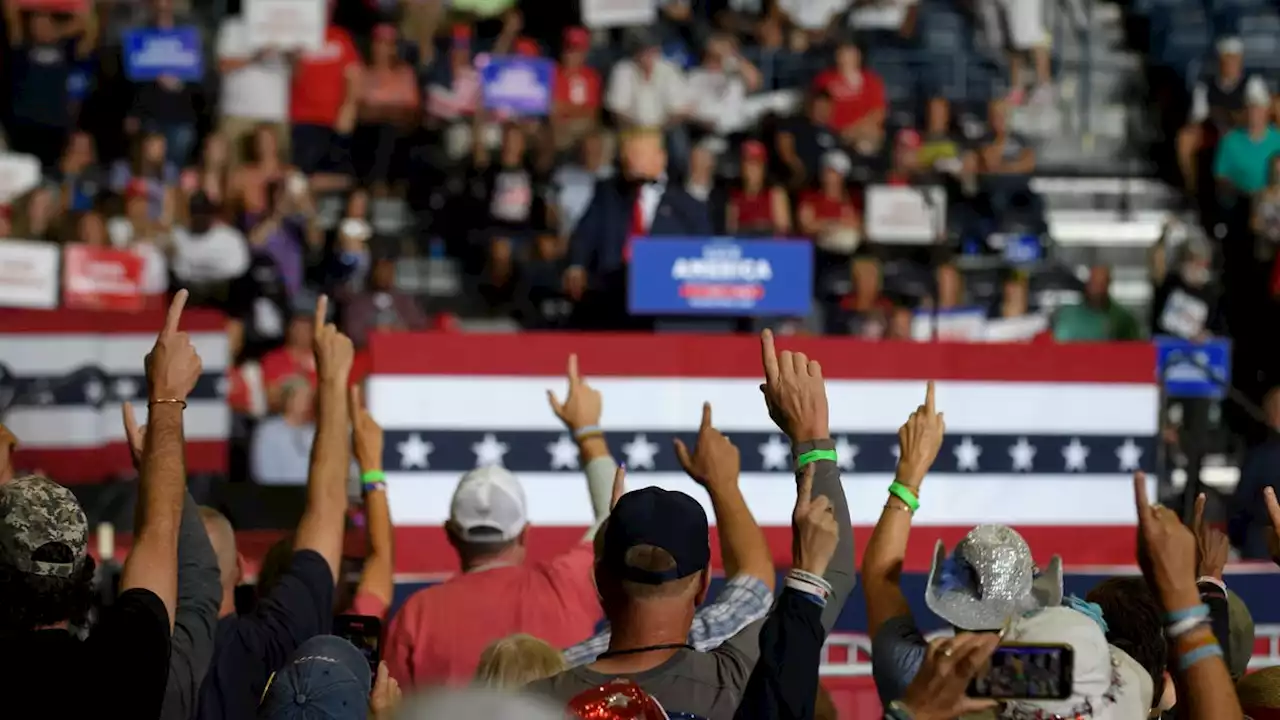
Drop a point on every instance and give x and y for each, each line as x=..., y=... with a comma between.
x=366, y=433
x=1273, y=511
x=619, y=486
x=814, y=530
x=333, y=350
x=950, y=664
x=1211, y=544
x=134, y=434
x=173, y=366
x=582, y=407
x=715, y=461
x=1166, y=550
x=794, y=392
x=920, y=438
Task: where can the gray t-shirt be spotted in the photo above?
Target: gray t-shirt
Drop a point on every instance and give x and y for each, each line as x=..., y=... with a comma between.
x=897, y=652
x=701, y=684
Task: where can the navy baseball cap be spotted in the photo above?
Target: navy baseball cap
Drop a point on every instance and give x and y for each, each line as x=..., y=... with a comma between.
x=326, y=678
x=665, y=519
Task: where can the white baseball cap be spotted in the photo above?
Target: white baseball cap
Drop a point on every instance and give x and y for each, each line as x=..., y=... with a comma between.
x=488, y=506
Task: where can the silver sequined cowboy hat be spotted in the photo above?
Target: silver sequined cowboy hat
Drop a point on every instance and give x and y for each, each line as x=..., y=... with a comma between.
x=988, y=578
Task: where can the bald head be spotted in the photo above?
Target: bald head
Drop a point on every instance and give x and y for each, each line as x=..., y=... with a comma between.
x=223, y=538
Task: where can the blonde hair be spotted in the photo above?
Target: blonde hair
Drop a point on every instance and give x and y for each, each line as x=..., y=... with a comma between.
x=517, y=660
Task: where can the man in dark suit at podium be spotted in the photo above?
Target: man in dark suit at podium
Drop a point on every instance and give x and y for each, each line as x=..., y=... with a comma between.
x=637, y=203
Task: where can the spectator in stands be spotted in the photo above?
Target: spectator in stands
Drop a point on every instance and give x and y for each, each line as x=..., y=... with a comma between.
x=828, y=215
x=813, y=18
x=701, y=183
x=453, y=86
x=1243, y=161
x=1014, y=300
x=1185, y=304
x=905, y=167
x=440, y=632
x=211, y=173
x=1097, y=318
x=1018, y=28
x=573, y=185
x=354, y=233
x=1135, y=625
x=294, y=358
x=282, y=443
x=718, y=89
x=863, y=311
x=380, y=306
x=257, y=312
x=648, y=91
x=388, y=106
x=948, y=287
x=43, y=54
x=1003, y=151
x=249, y=648
x=208, y=253
x=323, y=101
x=638, y=203
x=261, y=164
x=757, y=208
x=576, y=95
x=46, y=573
x=1217, y=106
x=148, y=164
x=803, y=143
x=858, y=102
x=511, y=207
x=289, y=231
x=166, y=105
x=78, y=176
x=255, y=87
x=517, y=660
x=942, y=150
x=137, y=231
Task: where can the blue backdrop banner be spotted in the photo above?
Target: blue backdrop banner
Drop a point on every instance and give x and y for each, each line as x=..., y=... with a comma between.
x=150, y=54
x=518, y=85
x=720, y=276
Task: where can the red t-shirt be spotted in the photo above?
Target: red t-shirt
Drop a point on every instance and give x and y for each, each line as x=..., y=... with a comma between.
x=755, y=212
x=851, y=100
x=439, y=633
x=280, y=364
x=319, y=80
x=826, y=208
x=577, y=89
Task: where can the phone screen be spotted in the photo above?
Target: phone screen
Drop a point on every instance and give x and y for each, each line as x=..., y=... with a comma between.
x=363, y=631
x=1030, y=672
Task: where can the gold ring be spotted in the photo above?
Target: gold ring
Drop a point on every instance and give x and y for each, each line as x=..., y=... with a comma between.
x=947, y=651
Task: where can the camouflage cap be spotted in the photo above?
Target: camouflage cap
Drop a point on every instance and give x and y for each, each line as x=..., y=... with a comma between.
x=35, y=512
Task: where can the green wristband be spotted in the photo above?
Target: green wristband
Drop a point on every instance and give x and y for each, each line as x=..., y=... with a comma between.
x=903, y=493
x=373, y=476
x=814, y=456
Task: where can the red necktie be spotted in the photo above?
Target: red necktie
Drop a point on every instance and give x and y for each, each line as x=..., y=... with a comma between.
x=637, y=225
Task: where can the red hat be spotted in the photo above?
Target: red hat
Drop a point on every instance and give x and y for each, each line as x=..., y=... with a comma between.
x=137, y=188
x=908, y=138
x=576, y=38
x=616, y=700
x=527, y=47
x=754, y=150
x=461, y=34
x=384, y=31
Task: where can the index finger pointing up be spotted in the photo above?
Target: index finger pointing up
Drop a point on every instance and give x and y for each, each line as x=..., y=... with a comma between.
x=1140, y=494
x=928, y=398
x=706, y=416
x=174, y=318
x=770, y=357
x=572, y=369
x=322, y=313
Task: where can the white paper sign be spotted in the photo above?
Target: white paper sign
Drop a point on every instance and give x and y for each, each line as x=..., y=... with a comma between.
x=19, y=174
x=899, y=215
x=619, y=13
x=286, y=24
x=28, y=274
x=1016, y=329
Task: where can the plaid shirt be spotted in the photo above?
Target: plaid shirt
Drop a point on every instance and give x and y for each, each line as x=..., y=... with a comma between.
x=743, y=600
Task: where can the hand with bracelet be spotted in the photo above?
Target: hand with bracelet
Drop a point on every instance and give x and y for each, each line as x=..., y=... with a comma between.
x=814, y=529
x=367, y=440
x=938, y=691
x=715, y=462
x=580, y=412
x=172, y=366
x=919, y=440
x=794, y=393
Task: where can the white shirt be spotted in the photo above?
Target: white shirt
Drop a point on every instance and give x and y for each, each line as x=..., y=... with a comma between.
x=716, y=98
x=155, y=268
x=812, y=14
x=646, y=101
x=218, y=255
x=881, y=14
x=650, y=197
x=259, y=90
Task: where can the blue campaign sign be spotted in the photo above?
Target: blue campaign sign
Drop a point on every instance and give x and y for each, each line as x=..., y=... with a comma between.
x=150, y=54
x=518, y=85
x=1191, y=369
x=720, y=276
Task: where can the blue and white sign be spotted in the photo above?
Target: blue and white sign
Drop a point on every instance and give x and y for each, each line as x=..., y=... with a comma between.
x=150, y=54
x=720, y=276
x=518, y=85
x=1190, y=369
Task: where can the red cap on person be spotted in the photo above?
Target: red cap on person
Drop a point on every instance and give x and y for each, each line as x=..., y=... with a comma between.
x=754, y=150
x=527, y=47
x=461, y=34
x=576, y=38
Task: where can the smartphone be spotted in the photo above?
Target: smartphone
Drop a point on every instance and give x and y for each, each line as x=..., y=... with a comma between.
x=363, y=631
x=1020, y=671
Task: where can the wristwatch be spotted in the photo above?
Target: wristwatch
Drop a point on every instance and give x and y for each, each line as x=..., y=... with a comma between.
x=897, y=711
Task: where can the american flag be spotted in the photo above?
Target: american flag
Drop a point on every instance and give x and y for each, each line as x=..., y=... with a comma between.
x=1041, y=437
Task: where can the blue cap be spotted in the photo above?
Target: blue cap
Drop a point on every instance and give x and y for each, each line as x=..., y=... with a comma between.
x=665, y=519
x=326, y=678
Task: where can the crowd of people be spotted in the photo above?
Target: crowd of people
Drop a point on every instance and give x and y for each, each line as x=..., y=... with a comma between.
x=509, y=638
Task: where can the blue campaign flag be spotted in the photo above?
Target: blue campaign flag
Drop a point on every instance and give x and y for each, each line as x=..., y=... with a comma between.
x=720, y=276
x=151, y=53
x=1190, y=369
x=519, y=85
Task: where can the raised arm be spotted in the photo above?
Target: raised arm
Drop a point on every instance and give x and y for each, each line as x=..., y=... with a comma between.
x=172, y=367
x=580, y=413
x=796, y=397
x=377, y=579
x=321, y=527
